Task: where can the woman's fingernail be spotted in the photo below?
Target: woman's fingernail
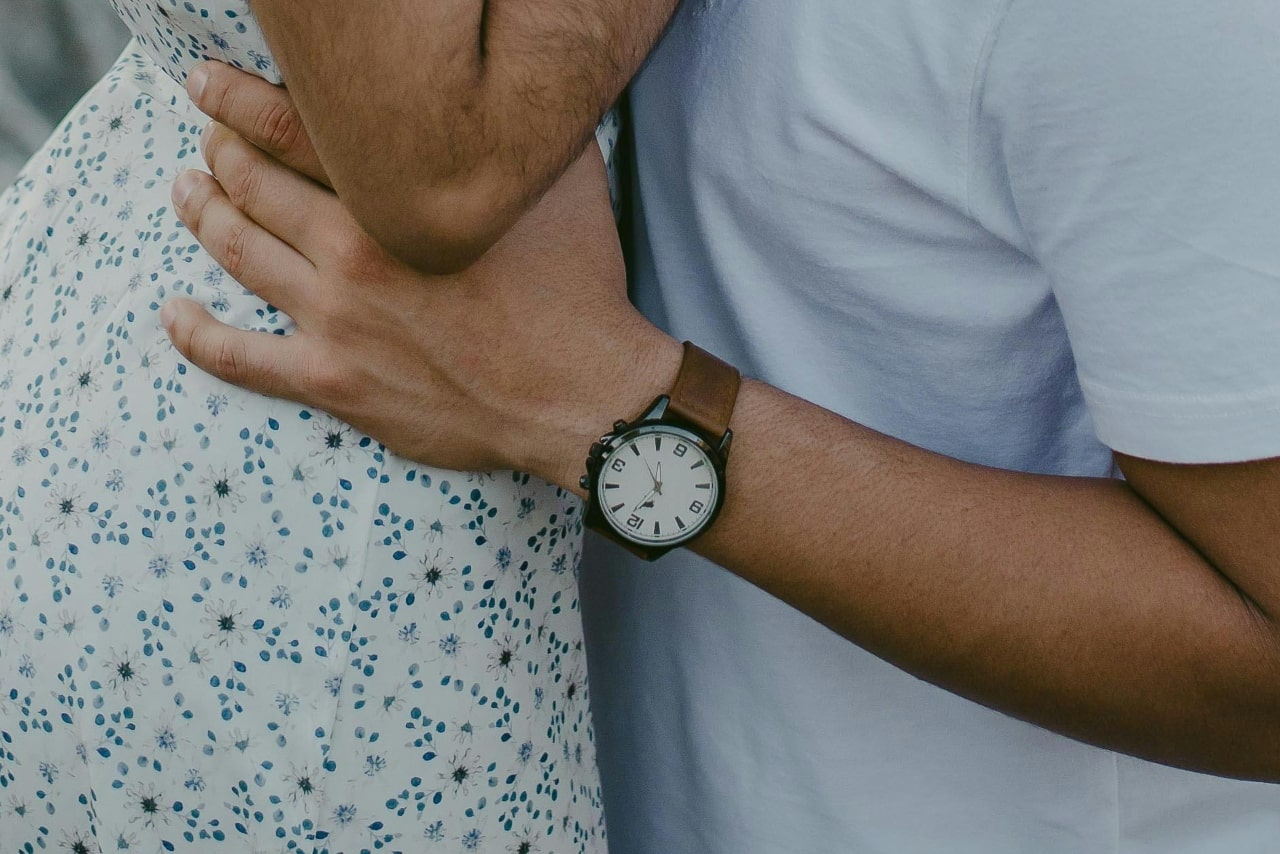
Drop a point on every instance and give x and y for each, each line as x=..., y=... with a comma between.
x=168, y=314
x=197, y=79
x=183, y=186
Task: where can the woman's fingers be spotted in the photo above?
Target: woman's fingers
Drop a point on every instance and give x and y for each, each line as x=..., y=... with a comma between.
x=255, y=257
x=260, y=112
x=258, y=361
x=290, y=206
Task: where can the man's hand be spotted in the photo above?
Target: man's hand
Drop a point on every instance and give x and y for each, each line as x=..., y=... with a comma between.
x=519, y=362
x=441, y=123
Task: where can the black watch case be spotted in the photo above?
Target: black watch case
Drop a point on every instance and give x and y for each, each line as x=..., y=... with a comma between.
x=657, y=420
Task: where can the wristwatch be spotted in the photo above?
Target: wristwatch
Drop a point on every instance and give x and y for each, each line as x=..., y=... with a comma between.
x=656, y=483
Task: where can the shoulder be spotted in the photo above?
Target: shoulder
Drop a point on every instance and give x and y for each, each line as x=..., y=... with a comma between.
x=1096, y=51
x=1161, y=110
x=1134, y=144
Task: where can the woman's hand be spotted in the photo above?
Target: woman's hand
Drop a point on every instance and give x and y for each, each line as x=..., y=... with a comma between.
x=518, y=362
x=264, y=114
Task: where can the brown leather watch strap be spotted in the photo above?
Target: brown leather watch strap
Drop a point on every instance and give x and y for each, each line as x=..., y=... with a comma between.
x=705, y=392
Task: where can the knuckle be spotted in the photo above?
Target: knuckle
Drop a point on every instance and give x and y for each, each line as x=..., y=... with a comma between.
x=358, y=256
x=330, y=382
x=279, y=126
x=229, y=360
x=234, y=249
x=324, y=309
x=245, y=184
x=348, y=254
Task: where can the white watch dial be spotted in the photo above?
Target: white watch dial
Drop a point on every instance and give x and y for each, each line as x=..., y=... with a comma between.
x=658, y=487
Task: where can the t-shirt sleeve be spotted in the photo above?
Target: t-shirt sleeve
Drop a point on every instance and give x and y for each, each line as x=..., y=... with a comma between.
x=1141, y=145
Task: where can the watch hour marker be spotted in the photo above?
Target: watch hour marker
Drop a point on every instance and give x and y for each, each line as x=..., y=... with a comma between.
x=635, y=449
x=612, y=486
x=698, y=464
x=657, y=529
x=615, y=508
x=657, y=443
x=680, y=523
x=703, y=486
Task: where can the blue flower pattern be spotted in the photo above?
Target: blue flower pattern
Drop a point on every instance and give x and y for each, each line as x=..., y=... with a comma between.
x=229, y=623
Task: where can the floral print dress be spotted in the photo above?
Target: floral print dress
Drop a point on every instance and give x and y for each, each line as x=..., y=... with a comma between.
x=228, y=623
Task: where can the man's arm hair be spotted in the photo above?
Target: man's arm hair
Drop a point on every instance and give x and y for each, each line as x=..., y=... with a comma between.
x=439, y=122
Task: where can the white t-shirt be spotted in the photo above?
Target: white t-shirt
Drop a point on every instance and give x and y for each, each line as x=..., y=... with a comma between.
x=1016, y=232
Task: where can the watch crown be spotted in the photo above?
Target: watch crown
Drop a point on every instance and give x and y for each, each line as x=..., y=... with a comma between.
x=584, y=482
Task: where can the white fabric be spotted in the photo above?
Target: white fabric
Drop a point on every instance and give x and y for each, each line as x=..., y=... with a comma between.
x=229, y=623
x=1011, y=232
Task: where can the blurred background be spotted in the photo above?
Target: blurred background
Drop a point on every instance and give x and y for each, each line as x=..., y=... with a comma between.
x=51, y=52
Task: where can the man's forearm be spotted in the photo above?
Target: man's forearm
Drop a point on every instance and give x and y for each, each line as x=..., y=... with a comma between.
x=1069, y=602
x=490, y=102
x=1063, y=601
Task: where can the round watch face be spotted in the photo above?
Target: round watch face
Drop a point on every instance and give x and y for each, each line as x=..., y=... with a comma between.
x=658, y=486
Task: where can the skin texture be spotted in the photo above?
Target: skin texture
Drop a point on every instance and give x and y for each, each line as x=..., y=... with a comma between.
x=1133, y=615
x=320, y=250
x=494, y=105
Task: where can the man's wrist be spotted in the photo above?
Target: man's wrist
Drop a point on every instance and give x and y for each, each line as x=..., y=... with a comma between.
x=631, y=375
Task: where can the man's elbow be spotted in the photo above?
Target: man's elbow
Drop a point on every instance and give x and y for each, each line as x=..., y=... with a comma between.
x=1246, y=725
x=438, y=229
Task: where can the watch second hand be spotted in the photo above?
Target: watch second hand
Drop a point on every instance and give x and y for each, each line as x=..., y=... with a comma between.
x=656, y=477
